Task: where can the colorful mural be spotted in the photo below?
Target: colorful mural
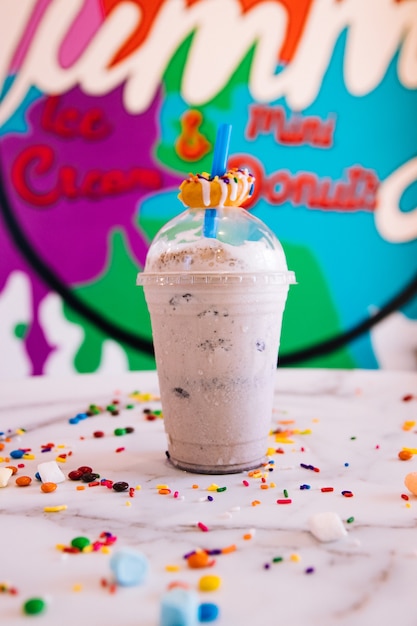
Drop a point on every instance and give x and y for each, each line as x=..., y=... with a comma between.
x=105, y=105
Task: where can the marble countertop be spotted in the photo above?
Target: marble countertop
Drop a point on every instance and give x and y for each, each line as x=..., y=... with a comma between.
x=348, y=424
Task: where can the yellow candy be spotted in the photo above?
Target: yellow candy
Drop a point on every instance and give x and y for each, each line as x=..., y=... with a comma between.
x=55, y=509
x=210, y=582
x=283, y=439
x=172, y=568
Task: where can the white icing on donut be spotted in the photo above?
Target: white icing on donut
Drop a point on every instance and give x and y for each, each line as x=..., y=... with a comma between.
x=233, y=187
x=228, y=190
x=205, y=191
x=223, y=192
x=245, y=185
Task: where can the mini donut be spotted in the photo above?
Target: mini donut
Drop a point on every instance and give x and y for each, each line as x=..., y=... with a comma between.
x=205, y=191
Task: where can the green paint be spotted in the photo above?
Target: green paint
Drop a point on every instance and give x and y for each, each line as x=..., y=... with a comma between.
x=172, y=77
x=223, y=101
x=118, y=298
x=310, y=315
x=124, y=304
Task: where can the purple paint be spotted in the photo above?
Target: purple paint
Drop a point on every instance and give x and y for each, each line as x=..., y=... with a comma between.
x=72, y=235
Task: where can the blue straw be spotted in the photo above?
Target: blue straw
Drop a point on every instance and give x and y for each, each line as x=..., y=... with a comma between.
x=219, y=167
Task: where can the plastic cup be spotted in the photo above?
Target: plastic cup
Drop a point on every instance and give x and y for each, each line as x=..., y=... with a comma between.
x=216, y=307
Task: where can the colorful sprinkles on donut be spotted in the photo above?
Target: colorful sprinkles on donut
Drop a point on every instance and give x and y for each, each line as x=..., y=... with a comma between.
x=204, y=191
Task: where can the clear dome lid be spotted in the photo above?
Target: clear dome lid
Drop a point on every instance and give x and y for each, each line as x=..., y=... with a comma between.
x=239, y=247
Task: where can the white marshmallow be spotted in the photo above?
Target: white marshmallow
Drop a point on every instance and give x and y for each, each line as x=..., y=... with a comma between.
x=327, y=526
x=5, y=474
x=50, y=472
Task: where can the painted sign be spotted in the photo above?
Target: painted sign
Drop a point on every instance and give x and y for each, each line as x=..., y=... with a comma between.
x=105, y=106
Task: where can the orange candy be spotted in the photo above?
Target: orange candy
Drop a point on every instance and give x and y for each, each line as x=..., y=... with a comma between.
x=229, y=549
x=405, y=455
x=199, y=559
x=23, y=481
x=48, y=487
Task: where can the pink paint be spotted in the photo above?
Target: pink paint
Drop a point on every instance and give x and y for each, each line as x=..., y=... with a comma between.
x=37, y=14
x=78, y=37
x=81, y=31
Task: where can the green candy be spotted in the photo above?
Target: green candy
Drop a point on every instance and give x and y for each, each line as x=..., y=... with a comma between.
x=119, y=432
x=34, y=606
x=80, y=542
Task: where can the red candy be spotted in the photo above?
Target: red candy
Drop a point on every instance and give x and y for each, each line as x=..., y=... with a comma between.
x=75, y=475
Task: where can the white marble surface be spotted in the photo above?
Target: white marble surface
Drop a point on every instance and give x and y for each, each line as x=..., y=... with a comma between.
x=355, y=417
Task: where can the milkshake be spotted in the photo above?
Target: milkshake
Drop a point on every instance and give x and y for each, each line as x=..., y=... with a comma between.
x=216, y=306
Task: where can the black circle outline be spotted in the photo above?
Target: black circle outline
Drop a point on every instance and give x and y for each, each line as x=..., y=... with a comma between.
x=132, y=340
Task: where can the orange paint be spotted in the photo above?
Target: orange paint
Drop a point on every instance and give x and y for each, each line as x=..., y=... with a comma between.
x=297, y=10
x=192, y=145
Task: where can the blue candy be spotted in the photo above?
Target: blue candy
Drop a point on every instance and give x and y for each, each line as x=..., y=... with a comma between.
x=17, y=454
x=179, y=607
x=78, y=418
x=208, y=612
x=129, y=567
